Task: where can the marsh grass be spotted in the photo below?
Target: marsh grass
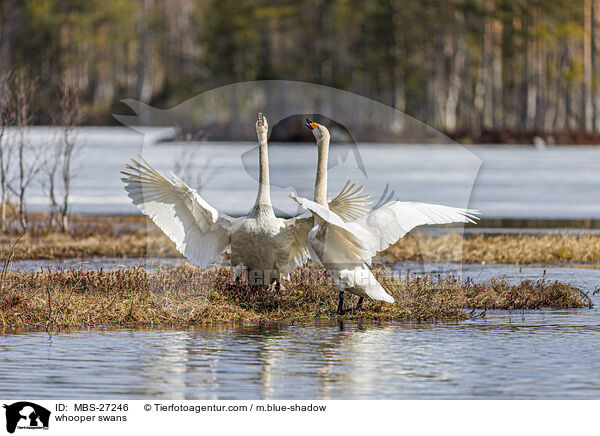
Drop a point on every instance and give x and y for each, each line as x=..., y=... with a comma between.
x=584, y=248
x=188, y=295
x=136, y=237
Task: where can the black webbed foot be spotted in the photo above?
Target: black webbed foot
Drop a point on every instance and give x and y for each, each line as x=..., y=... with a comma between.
x=358, y=308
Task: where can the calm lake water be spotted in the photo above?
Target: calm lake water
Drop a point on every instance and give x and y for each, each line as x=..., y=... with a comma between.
x=547, y=354
x=501, y=181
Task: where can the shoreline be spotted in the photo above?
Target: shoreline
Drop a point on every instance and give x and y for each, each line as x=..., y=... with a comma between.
x=135, y=242
x=295, y=135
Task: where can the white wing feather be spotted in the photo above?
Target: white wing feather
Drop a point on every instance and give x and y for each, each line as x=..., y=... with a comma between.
x=349, y=205
x=198, y=230
x=386, y=225
x=299, y=227
x=377, y=230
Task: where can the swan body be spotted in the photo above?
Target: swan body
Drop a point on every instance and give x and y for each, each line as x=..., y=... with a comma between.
x=261, y=245
x=346, y=247
x=268, y=246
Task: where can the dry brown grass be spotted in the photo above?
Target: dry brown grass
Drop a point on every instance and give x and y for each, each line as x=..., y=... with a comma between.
x=55, y=246
x=137, y=237
x=188, y=295
x=475, y=249
x=498, y=249
x=103, y=236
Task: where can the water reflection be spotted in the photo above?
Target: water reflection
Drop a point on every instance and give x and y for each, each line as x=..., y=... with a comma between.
x=530, y=354
x=519, y=354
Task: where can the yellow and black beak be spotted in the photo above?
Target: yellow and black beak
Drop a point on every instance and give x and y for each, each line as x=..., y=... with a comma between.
x=261, y=119
x=311, y=124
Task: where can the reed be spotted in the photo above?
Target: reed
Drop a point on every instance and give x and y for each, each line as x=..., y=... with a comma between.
x=188, y=295
x=135, y=237
x=554, y=248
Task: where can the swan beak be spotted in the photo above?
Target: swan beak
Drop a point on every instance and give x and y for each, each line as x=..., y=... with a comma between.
x=311, y=124
x=260, y=119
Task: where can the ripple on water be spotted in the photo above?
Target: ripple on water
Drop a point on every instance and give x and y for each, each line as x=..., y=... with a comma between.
x=518, y=354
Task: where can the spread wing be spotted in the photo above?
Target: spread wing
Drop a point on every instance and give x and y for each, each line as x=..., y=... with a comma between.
x=199, y=231
x=374, y=232
x=299, y=227
x=384, y=226
x=349, y=205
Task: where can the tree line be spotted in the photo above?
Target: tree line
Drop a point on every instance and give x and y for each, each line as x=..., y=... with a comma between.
x=466, y=67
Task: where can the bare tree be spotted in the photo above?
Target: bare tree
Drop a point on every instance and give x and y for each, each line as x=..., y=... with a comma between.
x=183, y=164
x=6, y=116
x=27, y=164
x=49, y=168
x=68, y=117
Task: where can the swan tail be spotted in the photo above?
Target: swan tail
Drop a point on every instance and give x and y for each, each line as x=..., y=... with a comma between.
x=360, y=280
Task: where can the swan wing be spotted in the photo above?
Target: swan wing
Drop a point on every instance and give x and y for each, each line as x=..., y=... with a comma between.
x=360, y=277
x=346, y=205
x=377, y=230
x=199, y=231
x=317, y=210
x=386, y=225
x=349, y=204
x=299, y=227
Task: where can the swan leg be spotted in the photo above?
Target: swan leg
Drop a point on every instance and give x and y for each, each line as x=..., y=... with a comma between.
x=340, y=309
x=359, y=304
x=275, y=286
x=358, y=307
x=239, y=269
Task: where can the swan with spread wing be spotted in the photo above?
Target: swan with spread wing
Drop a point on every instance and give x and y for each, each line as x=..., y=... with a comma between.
x=345, y=247
x=268, y=246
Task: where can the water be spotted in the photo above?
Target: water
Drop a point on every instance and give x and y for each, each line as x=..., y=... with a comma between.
x=501, y=181
x=95, y=263
x=547, y=354
x=543, y=354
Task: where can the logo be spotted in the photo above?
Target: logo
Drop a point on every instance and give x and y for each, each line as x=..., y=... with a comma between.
x=26, y=415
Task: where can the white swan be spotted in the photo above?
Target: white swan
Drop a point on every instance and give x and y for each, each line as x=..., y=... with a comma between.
x=268, y=246
x=346, y=249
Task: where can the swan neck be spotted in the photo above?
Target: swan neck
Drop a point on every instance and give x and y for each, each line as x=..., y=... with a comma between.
x=263, y=198
x=321, y=180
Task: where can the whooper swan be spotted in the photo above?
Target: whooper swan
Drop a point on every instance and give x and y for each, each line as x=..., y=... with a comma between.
x=346, y=249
